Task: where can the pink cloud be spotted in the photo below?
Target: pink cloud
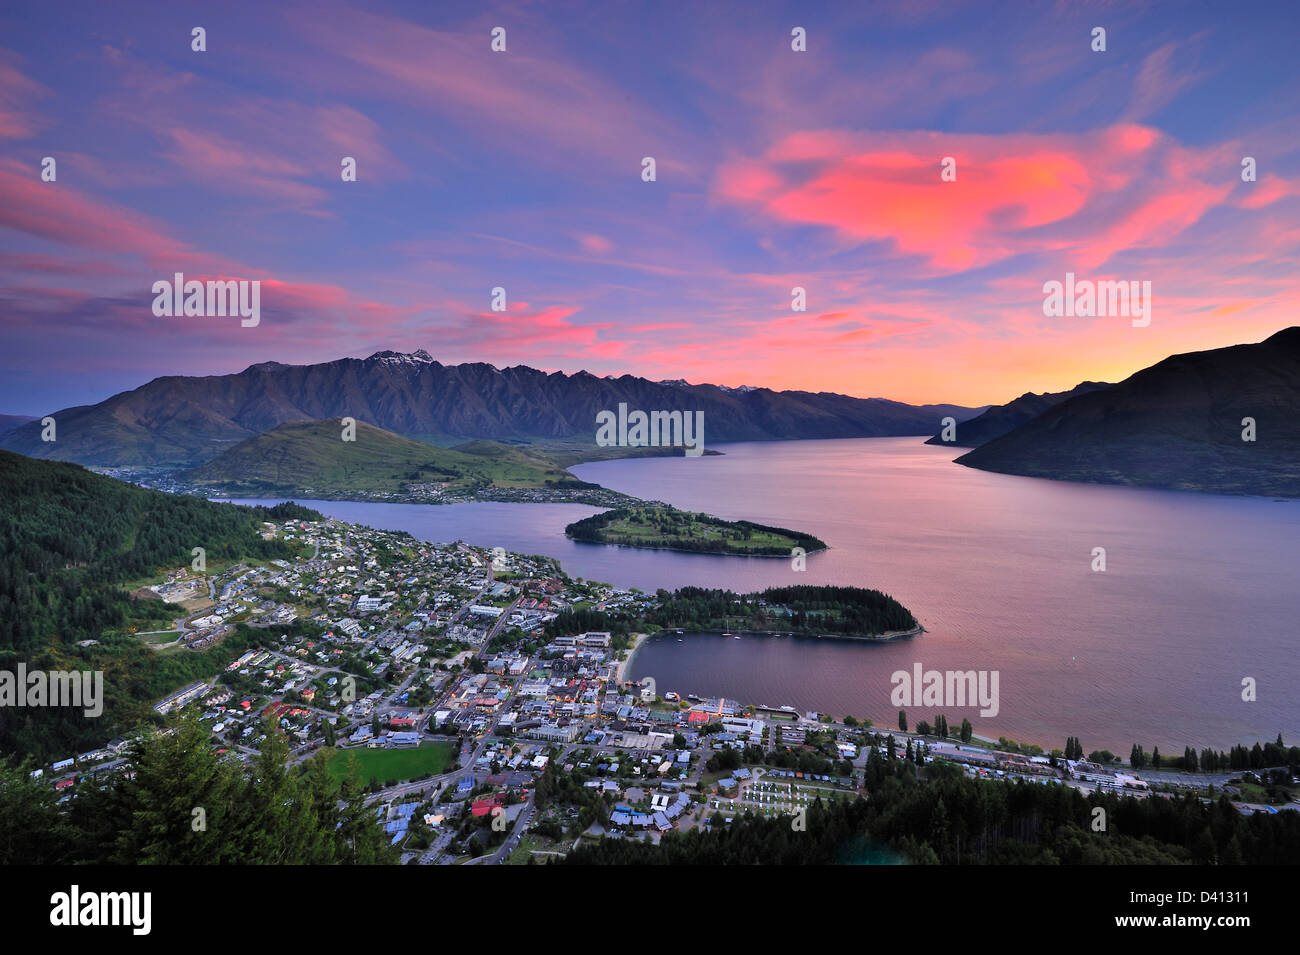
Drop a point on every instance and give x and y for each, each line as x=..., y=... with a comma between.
x=17, y=93
x=57, y=213
x=596, y=244
x=531, y=95
x=1267, y=191
x=248, y=144
x=1012, y=194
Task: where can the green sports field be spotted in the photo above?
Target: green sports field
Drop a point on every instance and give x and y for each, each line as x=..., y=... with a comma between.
x=388, y=765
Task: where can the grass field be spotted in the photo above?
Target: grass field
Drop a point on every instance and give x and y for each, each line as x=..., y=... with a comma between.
x=529, y=842
x=383, y=765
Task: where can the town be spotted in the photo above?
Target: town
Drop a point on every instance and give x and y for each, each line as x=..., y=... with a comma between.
x=484, y=731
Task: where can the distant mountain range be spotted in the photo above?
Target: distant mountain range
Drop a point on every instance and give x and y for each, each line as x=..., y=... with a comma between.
x=1000, y=419
x=182, y=421
x=10, y=421
x=1177, y=424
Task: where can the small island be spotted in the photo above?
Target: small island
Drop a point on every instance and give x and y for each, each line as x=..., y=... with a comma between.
x=667, y=528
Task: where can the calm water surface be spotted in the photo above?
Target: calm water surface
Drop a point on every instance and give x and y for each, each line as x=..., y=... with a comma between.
x=1199, y=590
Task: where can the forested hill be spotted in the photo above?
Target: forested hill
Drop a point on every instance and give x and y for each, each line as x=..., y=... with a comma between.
x=69, y=539
x=848, y=611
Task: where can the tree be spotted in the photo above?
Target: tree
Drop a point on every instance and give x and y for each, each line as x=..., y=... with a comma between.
x=1155, y=756
x=32, y=830
x=902, y=720
x=967, y=731
x=178, y=780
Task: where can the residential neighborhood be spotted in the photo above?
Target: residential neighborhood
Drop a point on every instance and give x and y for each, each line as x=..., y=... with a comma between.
x=436, y=674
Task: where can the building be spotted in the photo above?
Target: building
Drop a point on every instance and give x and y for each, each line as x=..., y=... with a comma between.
x=180, y=698
x=554, y=733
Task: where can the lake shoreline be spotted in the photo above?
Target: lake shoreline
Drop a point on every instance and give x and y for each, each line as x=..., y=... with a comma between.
x=626, y=663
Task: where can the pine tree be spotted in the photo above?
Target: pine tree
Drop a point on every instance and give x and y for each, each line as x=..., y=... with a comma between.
x=278, y=827
x=177, y=805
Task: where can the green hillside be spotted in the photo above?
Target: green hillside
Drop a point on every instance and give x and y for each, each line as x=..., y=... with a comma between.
x=69, y=541
x=311, y=458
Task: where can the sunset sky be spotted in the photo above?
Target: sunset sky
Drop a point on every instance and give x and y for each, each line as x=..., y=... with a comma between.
x=522, y=169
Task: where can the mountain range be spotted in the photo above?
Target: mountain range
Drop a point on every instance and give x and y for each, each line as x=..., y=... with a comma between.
x=1225, y=420
x=1001, y=419
x=10, y=421
x=179, y=421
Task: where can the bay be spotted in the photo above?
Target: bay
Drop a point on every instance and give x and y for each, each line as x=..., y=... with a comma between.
x=1200, y=591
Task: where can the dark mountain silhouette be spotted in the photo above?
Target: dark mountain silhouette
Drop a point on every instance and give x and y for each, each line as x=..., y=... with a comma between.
x=183, y=421
x=1001, y=419
x=10, y=421
x=1177, y=424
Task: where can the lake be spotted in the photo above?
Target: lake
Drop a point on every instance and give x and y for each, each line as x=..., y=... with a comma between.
x=1199, y=591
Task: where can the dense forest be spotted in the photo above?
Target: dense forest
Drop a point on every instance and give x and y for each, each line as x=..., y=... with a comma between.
x=69, y=541
x=836, y=610
x=185, y=805
x=582, y=620
x=955, y=820
x=851, y=611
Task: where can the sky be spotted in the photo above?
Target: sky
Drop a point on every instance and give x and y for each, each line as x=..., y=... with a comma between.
x=522, y=169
